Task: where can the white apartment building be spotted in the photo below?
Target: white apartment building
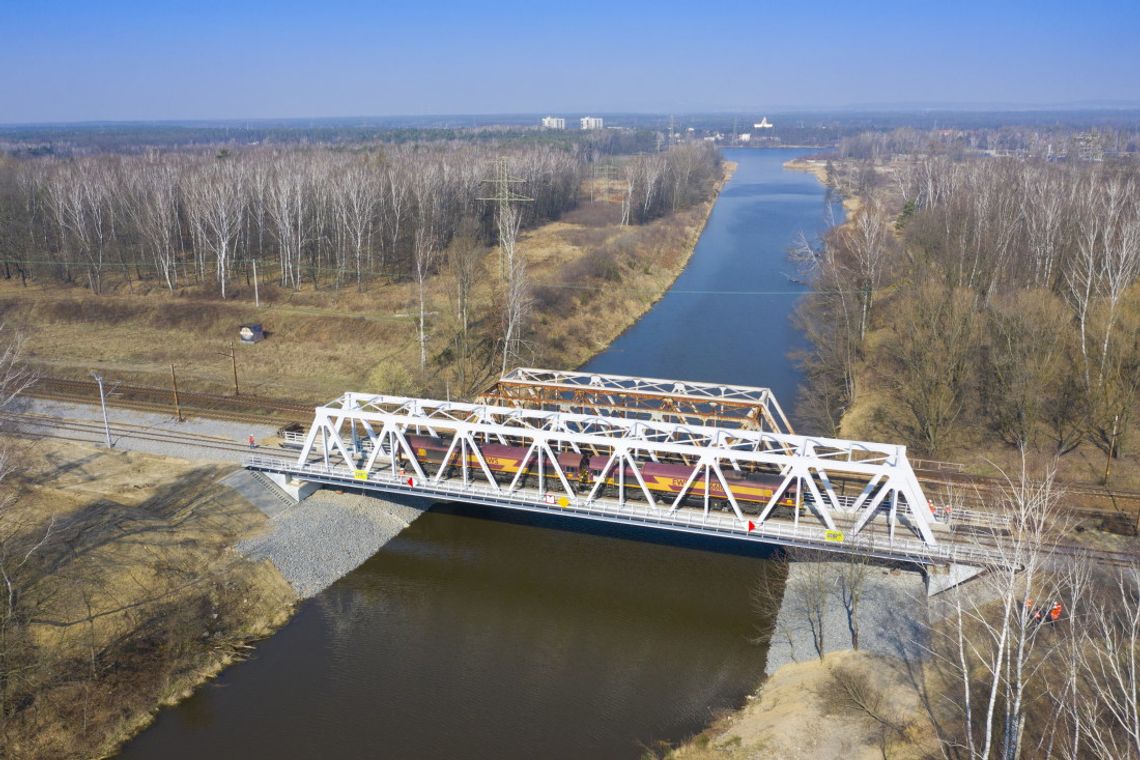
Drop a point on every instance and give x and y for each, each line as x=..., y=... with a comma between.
x=591, y=122
x=554, y=122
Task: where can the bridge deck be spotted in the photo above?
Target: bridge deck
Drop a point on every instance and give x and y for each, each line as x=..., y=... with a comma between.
x=873, y=541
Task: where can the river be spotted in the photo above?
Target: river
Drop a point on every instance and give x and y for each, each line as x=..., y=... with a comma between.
x=483, y=634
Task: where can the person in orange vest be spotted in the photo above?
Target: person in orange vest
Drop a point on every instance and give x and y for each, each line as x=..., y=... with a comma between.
x=251, y=442
x=1055, y=612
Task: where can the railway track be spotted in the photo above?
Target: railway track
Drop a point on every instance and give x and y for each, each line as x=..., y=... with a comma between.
x=980, y=493
x=161, y=400
x=59, y=427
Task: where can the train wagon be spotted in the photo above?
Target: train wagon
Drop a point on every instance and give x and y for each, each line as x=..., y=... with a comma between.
x=583, y=471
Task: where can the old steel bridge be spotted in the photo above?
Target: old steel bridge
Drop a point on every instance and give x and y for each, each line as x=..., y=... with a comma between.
x=516, y=447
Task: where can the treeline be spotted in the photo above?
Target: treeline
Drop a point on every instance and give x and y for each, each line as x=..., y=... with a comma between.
x=1039, y=141
x=657, y=184
x=320, y=216
x=306, y=215
x=72, y=140
x=989, y=291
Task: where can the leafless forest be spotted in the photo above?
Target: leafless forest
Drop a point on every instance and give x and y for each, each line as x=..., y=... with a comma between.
x=325, y=217
x=980, y=292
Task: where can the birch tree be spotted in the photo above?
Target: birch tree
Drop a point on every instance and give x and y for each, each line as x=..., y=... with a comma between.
x=216, y=202
x=984, y=642
x=154, y=206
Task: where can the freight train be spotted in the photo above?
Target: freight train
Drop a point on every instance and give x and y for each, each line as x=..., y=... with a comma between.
x=748, y=488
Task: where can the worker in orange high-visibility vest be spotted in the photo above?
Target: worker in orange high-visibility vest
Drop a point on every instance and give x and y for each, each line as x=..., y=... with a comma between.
x=1055, y=612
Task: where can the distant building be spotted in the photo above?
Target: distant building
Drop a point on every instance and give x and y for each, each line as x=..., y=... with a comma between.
x=592, y=122
x=763, y=124
x=746, y=137
x=554, y=122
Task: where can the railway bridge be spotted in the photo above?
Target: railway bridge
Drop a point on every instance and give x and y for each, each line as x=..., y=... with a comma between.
x=697, y=458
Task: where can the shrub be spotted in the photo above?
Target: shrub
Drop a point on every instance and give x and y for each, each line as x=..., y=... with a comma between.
x=391, y=378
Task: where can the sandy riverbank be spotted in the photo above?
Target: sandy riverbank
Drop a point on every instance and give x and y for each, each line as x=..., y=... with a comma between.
x=803, y=708
x=849, y=705
x=818, y=169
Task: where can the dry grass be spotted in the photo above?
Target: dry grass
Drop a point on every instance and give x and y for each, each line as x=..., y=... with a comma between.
x=799, y=714
x=138, y=595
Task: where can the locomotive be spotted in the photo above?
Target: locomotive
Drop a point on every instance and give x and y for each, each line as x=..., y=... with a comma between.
x=584, y=470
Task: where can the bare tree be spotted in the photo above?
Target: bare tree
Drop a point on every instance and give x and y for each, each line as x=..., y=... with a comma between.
x=20, y=540
x=427, y=189
x=1027, y=341
x=465, y=256
x=869, y=243
x=1110, y=720
x=984, y=641
x=216, y=201
x=154, y=207
x=289, y=208
x=854, y=573
x=357, y=198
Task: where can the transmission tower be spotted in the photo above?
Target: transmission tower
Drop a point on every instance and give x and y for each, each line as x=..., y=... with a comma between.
x=503, y=195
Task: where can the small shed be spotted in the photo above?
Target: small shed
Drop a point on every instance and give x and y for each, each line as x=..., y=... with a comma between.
x=251, y=333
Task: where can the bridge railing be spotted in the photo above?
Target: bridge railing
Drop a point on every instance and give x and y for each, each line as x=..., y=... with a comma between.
x=633, y=513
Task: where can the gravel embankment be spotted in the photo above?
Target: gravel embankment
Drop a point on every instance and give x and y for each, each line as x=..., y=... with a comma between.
x=317, y=542
x=891, y=614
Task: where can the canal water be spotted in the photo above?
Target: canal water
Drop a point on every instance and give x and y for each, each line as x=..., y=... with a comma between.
x=484, y=634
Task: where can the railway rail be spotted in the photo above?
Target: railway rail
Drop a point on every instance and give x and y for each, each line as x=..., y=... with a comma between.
x=155, y=399
x=52, y=426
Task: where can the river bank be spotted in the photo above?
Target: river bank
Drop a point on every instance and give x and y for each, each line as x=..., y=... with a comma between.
x=589, y=278
x=847, y=704
x=818, y=169
x=136, y=595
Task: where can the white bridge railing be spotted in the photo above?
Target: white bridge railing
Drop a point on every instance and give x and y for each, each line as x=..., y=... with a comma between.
x=879, y=544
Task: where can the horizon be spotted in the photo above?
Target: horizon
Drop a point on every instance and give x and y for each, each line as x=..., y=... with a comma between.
x=487, y=119
x=127, y=61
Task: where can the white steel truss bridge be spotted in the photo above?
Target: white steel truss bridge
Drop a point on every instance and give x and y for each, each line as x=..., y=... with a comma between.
x=739, y=483
x=647, y=398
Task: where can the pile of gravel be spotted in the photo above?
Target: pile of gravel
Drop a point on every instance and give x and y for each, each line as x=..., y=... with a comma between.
x=328, y=535
x=891, y=614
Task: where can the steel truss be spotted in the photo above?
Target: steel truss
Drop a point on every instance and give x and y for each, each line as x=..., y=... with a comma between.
x=368, y=436
x=679, y=401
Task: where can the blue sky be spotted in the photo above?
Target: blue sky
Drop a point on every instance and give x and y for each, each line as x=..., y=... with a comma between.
x=109, y=60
